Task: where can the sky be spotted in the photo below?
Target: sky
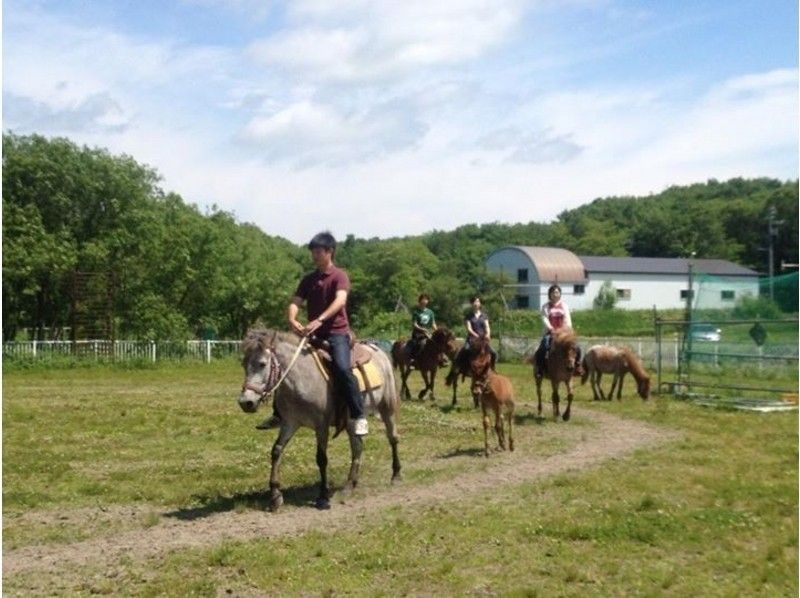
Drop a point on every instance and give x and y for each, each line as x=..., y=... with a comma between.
x=393, y=118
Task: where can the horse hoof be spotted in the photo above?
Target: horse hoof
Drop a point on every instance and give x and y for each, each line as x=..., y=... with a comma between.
x=566, y=417
x=397, y=479
x=323, y=504
x=275, y=503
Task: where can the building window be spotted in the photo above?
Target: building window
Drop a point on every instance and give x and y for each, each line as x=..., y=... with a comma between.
x=728, y=295
x=685, y=294
x=522, y=275
x=624, y=294
x=579, y=289
x=522, y=302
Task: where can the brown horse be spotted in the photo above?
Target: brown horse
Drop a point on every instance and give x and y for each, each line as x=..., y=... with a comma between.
x=495, y=392
x=602, y=359
x=442, y=342
x=560, y=368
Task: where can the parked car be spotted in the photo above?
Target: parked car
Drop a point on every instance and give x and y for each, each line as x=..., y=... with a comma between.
x=706, y=332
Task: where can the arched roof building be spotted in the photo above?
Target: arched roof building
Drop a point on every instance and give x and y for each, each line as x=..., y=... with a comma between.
x=640, y=282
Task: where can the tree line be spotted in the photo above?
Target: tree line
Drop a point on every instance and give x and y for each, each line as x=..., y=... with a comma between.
x=92, y=245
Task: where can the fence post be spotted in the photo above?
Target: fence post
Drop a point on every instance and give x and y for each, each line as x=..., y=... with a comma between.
x=153, y=351
x=34, y=348
x=208, y=351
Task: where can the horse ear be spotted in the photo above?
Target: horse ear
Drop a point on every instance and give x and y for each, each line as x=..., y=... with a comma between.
x=272, y=340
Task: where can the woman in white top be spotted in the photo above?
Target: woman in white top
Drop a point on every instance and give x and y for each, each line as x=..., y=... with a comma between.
x=555, y=315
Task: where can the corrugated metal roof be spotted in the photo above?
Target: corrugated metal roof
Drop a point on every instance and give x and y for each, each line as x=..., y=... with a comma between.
x=553, y=264
x=663, y=265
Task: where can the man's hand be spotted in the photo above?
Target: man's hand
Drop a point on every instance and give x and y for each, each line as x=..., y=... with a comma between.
x=311, y=327
x=297, y=327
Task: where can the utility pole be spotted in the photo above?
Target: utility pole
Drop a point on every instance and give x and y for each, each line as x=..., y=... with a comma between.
x=772, y=232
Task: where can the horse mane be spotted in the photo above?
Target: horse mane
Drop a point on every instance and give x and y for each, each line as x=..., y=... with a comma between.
x=565, y=336
x=634, y=364
x=257, y=340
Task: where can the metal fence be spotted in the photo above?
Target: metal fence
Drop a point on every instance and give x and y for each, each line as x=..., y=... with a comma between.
x=106, y=350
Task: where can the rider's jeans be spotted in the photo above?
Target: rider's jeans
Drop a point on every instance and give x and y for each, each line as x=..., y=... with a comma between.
x=345, y=381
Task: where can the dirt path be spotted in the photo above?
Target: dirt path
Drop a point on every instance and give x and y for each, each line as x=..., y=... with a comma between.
x=610, y=438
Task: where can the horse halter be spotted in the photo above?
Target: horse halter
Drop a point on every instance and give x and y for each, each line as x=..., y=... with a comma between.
x=270, y=385
x=276, y=371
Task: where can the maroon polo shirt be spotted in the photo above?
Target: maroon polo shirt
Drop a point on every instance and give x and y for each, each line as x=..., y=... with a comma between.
x=318, y=289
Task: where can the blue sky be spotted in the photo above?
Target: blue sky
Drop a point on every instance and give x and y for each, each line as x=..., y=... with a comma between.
x=395, y=118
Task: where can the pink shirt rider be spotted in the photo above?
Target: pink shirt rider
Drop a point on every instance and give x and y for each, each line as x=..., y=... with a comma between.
x=555, y=316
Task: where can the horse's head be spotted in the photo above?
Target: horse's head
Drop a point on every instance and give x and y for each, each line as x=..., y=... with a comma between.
x=261, y=369
x=481, y=359
x=565, y=348
x=643, y=388
x=445, y=341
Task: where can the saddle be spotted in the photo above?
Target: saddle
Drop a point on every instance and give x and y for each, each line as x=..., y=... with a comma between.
x=365, y=371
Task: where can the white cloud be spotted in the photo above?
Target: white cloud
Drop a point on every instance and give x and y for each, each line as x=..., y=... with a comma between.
x=307, y=133
x=361, y=41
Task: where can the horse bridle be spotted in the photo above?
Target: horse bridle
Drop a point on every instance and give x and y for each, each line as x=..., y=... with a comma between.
x=276, y=372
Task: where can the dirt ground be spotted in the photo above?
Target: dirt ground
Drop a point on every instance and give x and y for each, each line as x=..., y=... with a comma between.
x=611, y=438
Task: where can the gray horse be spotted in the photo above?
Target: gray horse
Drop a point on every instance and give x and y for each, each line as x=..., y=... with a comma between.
x=304, y=398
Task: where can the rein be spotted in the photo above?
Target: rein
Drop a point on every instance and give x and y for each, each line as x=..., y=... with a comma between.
x=275, y=371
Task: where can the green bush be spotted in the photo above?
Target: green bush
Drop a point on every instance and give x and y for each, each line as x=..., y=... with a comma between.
x=750, y=308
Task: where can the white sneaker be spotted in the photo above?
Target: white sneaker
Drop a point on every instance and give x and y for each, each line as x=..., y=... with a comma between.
x=361, y=427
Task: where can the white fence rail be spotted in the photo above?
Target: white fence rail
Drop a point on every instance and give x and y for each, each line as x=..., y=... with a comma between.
x=511, y=349
x=122, y=350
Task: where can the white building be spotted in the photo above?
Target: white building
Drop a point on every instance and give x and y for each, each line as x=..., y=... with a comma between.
x=639, y=282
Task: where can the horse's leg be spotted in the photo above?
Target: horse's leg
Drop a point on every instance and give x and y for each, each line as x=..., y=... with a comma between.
x=568, y=412
x=539, y=394
x=284, y=436
x=356, y=448
x=619, y=390
x=498, y=425
x=594, y=380
x=475, y=400
x=555, y=399
x=405, y=370
x=390, y=421
x=324, y=498
x=433, y=377
x=425, y=374
x=485, y=427
x=603, y=396
x=614, y=383
x=510, y=416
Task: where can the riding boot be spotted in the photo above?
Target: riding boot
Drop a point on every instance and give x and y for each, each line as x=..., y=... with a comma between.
x=273, y=421
x=538, y=358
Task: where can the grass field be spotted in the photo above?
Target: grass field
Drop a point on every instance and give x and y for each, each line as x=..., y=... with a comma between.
x=102, y=453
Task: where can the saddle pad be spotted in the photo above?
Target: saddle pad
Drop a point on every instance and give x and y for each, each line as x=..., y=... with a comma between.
x=373, y=376
x=360, y=353
x=373, y=373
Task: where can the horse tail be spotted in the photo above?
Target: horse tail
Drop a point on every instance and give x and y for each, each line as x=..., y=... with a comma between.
x=585, y=366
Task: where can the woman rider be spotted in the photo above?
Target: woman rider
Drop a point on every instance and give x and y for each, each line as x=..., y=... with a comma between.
x=477, y=325
x=555, y=315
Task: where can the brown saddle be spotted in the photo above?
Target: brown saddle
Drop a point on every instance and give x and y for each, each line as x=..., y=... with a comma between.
x=360, y=352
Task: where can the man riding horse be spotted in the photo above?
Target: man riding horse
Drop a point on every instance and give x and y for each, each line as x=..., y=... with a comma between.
x=324, y=291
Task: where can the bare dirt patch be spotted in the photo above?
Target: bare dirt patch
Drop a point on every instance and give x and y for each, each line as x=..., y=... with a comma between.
x=611, y=438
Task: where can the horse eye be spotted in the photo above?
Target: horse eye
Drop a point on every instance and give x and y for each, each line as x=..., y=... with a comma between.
x=262, y=365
